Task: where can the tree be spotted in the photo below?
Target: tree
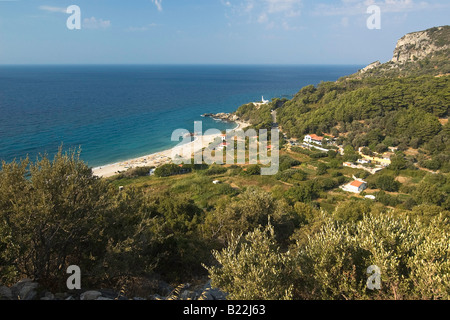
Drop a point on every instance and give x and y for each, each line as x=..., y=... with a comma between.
x=253, y=170
x=52, y=215
x=253, y=268
x=380, y=148
x=387, y=183
x=412, y=256
x=350, y=154
x=428, y=193
x=167, y=170
x=398, y=163
x=322, y=169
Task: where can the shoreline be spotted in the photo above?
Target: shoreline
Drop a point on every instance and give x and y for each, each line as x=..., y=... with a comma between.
x=158, y=158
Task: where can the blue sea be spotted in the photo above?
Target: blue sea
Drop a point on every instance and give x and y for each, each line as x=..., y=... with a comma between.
x=114, y=113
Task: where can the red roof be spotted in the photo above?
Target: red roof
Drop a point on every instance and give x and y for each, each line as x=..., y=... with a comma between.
x=357, y=183
x=316, y=137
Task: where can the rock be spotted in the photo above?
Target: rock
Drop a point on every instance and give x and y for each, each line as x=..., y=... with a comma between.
x=138, y=299
x=48, y=296
x=25, y=289
x=227, y=117
x=419, y=45
x=210, y=293
x=164, y=288
x=371, y=66
x=61, y=295
x=188, y=295
x=110, y=294
x=90, y=295
x=5, y=293
x=70, y=298
x=156, y=297
x=103, y=298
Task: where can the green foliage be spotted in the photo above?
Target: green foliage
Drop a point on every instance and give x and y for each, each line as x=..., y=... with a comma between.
x=248, y=211
x=253, y=170
x=52, y=213
x=260, y=118
x=137, y=172
x=398, y=163
x=170, y=169
x=287, y=162
x=304, y=192
x=322, y=169
x=428, y=193
x=215, y=170
x=253, y=268
x=412, y=257
x=375, y=108
x=387, y=183
x=291, y=175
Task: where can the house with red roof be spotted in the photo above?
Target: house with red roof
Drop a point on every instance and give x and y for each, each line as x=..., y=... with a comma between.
x=313, y=138
x=356, y=186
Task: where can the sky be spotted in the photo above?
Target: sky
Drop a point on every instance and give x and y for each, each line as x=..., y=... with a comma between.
x=210, y=31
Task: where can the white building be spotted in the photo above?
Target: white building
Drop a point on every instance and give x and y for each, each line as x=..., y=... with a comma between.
x=357, y=186
x=363, y=161
x=312, y=138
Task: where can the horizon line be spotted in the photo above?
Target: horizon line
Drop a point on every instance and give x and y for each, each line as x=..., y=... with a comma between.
x=180, y=64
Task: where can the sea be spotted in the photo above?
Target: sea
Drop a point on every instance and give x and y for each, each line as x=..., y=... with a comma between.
x=118, y=112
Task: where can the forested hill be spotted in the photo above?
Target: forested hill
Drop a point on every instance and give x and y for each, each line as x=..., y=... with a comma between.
x=403, y=103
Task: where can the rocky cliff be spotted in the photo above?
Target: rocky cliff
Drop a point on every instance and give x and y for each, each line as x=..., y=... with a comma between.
x=418, y=53
x=423, y=44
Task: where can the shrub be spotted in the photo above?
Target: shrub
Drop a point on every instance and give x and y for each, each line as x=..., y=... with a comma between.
x=413, y=259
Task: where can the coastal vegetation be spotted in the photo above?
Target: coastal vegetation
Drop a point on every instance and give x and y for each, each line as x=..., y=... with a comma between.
x=293, y=235
x=184, y=227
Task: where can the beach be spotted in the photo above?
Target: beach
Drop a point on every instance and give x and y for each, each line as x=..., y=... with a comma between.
x=160, y=158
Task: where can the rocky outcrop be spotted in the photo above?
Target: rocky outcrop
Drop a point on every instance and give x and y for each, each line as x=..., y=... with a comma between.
x=418, y=53
x=27, y=289
x=371, y=66
x=420, y=45
x=229, y=117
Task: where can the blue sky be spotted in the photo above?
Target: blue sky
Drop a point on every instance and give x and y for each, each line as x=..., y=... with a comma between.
x=210, y=31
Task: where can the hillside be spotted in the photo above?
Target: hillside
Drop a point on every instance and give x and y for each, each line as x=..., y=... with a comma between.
x=403, y=103
x=418, y=53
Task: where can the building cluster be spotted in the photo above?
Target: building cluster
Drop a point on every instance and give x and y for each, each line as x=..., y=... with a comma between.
x=371, y=164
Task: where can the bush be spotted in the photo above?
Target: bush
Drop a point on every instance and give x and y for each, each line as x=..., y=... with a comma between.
x=52, y=215
x=137, y=172
x=215, y=170
x=287, y=162
x=387, y=183
x=322, y=169
x=253, y=268
x=253, y=170
x=413, y=259
x=167, y=170
x=294, y=174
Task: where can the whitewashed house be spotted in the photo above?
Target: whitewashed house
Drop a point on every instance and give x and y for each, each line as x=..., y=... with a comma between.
x=312, y=138
x=357, y=186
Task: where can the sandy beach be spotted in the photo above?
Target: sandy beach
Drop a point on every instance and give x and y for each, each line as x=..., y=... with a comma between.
x=160, y=158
